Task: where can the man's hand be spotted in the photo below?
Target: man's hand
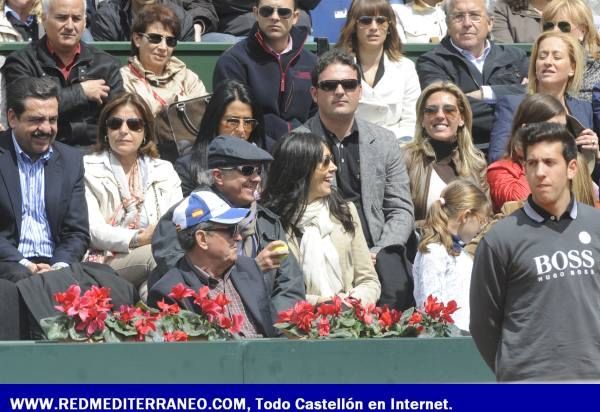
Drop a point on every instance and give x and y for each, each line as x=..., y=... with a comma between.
x=272, y=256
x=43, y=267
x=373, y=257
x=588, y=140
x=144, y=236
x=198, y=32
x=95, y=90
x=476, y=94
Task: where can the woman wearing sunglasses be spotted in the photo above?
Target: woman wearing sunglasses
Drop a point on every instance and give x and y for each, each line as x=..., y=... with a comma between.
x=152, y=71
x=518, y=21
x=575, y=17
x=324, y=232
x=390, y=86
x=127, y=189
x=232, y=111
x=443, y=149
x=555, y=68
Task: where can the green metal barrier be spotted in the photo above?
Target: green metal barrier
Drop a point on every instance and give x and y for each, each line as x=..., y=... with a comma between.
x=259, y=361
x=202, y=57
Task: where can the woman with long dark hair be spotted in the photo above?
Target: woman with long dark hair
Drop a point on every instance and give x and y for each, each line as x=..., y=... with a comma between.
x=324, y=232
x=232, y=111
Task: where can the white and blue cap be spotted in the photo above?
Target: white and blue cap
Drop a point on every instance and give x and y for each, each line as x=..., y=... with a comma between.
x=205, y=206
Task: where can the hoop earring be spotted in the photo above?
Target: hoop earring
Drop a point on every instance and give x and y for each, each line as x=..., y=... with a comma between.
x=144, y=141
x=106, y=138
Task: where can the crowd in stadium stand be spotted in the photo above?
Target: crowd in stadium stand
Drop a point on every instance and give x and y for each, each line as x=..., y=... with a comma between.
x=353, y=172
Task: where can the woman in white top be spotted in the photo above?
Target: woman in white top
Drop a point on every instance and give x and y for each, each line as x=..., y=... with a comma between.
x=127, y=189
x=390, y=85
x=421, y=21
x=442, y=267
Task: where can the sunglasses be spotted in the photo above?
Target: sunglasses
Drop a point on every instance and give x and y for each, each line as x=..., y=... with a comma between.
x=448, y=109
x=244, y=170
x=332, y=85
x=231, y=231
x=326, y=161
x=563, y=26
x=283, y=12
x=135, y=124
x=156, y=38
x=368, y=20
x=234, y=122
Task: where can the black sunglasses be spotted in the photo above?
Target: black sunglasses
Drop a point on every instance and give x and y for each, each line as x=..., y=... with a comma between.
x=368, y=20
x=135, y=124
x=448, y=109
x=332, y=85
x=244, y=170
x=156, y=38
x=283, y=12
x=563, y=26
x=326, y=161
x=231, y=231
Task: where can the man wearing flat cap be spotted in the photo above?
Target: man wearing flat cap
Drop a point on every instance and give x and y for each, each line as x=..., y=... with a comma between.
x=208, y=231
x=233, y=173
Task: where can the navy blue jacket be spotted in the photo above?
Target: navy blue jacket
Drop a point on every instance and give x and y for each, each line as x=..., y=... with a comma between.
x=247, y=280
x=281, y=87
x=596, y=107
x=506, y=107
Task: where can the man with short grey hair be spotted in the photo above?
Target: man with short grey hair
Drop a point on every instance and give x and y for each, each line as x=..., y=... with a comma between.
x=466, y=57
x=87, y=77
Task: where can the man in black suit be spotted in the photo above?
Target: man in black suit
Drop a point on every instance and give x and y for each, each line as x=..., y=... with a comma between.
x=207, y=230
x=43, y=214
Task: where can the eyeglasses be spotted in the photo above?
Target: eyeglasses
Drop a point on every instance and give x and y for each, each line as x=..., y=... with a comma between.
x=332, y=85
x=326, y=161
x=135, y=124
x=244, y=170
x=475, y=17
x=156, y=38
x=231, y=231
x=563, y=26
x=449, y=110
x=368, y=20
x=234, y=122
x=283, y=12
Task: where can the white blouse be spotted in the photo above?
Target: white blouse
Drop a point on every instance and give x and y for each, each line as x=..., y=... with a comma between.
x=446, y=277
x=420, y=25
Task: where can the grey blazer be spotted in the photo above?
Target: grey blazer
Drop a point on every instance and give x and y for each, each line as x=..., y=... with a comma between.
x=385, y=190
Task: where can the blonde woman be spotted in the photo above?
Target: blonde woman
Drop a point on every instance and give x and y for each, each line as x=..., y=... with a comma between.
x=390, y=85
x=20, y=20
x=442, y=149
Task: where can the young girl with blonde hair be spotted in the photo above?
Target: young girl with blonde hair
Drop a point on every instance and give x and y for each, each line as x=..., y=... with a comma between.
x=442, y=267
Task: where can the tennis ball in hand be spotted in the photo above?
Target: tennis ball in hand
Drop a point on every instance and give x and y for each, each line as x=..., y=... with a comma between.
x=282, y=250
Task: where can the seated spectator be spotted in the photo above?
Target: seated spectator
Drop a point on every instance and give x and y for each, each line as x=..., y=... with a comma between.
x=237, y=17
x=390, y=85
x=233, y=174
x=370, y=173
x=442, y=266
x=113, y=19
x=88, y=77
x=421, y=21
x=575, y=17
x=3, y=124
x=506, y=176
x=556, y=69
x=43, y=219
x=20, y=20
x=518, y=21
x=273, y=63
x=232, y=111
x=127, y=189
x=208, y=231
x=482, y=69
x=153, y=72
x=442, y=149
x=324, y=232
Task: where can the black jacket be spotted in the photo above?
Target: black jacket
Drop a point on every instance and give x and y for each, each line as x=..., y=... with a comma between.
x=285, y=285
x=113, y=21
x=281, y=87
x=246, y=278
x=504, y=69
x=77, y=119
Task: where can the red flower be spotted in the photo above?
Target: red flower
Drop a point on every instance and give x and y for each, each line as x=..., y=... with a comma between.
x=364, y=313
x=222, y=300
x=144, y=326
x=68, y=302
x=432, y=307
x=323, y=326
x=450, y=308
x=388, y=317
x=168, y=309
x=333, y=309
x=415, y=319
x=285, y=316
x=126, y=313
x=180, y=292
x=233, y=324
x=202, y=293
x=211, y=309
x=177, y=336
x=303, y=315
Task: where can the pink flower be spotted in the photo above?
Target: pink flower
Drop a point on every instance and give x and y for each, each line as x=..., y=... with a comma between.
x=180, y=292
x=167, y=309
x=68, y=301
x=323, y=326
x=177, y=336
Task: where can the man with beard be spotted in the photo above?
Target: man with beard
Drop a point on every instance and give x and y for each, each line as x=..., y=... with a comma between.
x=43, y=217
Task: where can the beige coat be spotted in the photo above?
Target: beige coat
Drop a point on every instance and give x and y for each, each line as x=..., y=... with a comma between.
x=175, y=84
x=359, y=276
x=102, y=197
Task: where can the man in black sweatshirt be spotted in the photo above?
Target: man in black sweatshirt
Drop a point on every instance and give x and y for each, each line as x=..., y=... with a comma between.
x=535, y=287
